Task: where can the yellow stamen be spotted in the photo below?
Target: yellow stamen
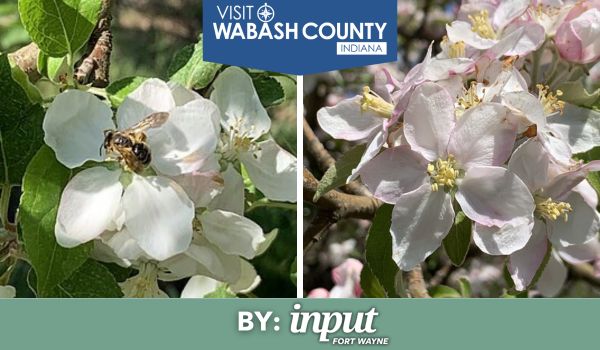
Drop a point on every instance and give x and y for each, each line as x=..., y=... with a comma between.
x=443, y=173
x=371, y=101
x=457, y=50
x=550, y=100
x=552, y=210
x=481, y=25
x=468, y=100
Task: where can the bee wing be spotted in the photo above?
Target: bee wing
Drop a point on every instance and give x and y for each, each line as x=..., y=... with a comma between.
x=154, y=120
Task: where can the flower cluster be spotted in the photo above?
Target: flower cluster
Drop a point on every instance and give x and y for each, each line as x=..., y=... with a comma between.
x=346, y=278
x=182, y=215
x=490, y=126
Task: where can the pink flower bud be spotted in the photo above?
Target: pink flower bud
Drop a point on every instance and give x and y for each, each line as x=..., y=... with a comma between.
x=578, y=37
x=319, y=293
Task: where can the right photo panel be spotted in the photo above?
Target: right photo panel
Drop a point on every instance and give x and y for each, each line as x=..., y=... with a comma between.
x=469, y=167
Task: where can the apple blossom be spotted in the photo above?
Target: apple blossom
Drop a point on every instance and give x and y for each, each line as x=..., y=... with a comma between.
x=346, y=278
x=577, y=37
x=7, y=292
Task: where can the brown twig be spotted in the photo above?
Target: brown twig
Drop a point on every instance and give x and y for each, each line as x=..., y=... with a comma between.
x=416, y=283
x=316, y=229
x=94, y=65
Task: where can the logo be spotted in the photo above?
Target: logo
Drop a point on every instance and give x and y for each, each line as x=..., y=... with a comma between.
x=265, y=13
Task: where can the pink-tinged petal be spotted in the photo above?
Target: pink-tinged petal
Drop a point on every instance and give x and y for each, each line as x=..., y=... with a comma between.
x=88, y=206
x=372, y=150
x=393, y=172
x=158, y=215
x=589, y=194
x=560, y=186
x=502, y=240
x=74, y=127
x=429, y=120
x=153, y=95
x=582, y=225
x=530, y=37
x=553, y=277
x=440, y=69
x=509, y=10
x=482, y=136
x=420, y=221
x=557, y=148
x=383, y=85
x=577, y=39
x=525, y=263
x=525, y=108
x=494, y=196
x=580, y=253
x=318, y=293
x=461, y=31
x=530, y=163
x=347, y=121
x=580, y=127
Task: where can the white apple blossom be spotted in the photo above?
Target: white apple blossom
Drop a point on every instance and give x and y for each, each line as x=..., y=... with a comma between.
x=7, y=292
x=244, y=120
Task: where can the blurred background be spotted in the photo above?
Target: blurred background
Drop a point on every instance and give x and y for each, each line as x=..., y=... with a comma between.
x=146, y=35
x=419, y=23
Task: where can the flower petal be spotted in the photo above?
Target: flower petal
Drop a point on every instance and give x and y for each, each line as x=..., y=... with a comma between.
x=580, y=127
x=373, y=148
x=482, y=136
x=232, y=233
x=199, y=286
x=509, y=10
x=232, y=197
x=158, y=216
x=530, y=38
x=420, y=221
x=215, y=263
x=461, y=31
x=153, y=95
x=393, y=172
x=582, y=225
x=429, y=120
x=553, y=277
x=187, y=139
x=88, y=205
x=74, y=127
x=124, y=245
x=7, y=292
x=502, y=240
x=530, y=163
x=201, y=188
x=248, y=281
x=347, y=121
x=238, y=101
x=181, y=94
x=273, y=170
x=493, y=196
x=525, y=263
x=580, y=253
x=526, y=108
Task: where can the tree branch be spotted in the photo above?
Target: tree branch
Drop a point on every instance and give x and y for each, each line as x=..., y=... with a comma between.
x=93, y=67
x=416, y=283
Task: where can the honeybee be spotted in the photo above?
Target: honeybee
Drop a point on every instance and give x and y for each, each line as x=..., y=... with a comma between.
x=129, y=145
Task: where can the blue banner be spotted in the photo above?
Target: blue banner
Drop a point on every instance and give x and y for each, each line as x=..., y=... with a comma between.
x=299, y=37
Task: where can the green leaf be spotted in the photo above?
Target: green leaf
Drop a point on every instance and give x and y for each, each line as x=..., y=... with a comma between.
x=190, y=70
x=370, y=285
x=90, y=280
x=221, y=292
x=52, y=67
x=120, y=273
x=378, y=251
x=465, y=287
x=443, y=291
x=22, y=79
x=338, y=173
x=20, y=127
x=593, y=177
x=575, y=93
x=294, y=272
x=269, y=90
x=456, y=243
x=118, y=90
x=42, y=187
x=59, y=27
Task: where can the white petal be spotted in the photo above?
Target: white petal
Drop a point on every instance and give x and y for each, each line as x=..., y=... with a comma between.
x=582, y=225
x=232, y=233
x=88, y=205
x=373, y=148
x=461, y=31
x=558, y=149
x=158, y=216
x=153, y=95
x=420, y=221
x=187, y=139
x=272, y=170
x=104, y=253
x=201, y=188
x=248, y=281
x=580, y=253
x=482, y=136
x=440, y=69
x=181, y=94
x=238, y=101
x=530, y=38
x=553, y=277
x=526, y=107
x=524, y=264
x=530, y=163
x=74, y=127
x=178, y=267
x=216, y=264
x=124, y=245
x=502, y=240
x=7, y=292
x=199, y=287
x=493, y=196
x=393, y=172
x=347, y=121
x=429, y=120
x=232, y=197
x=580, y=127
x=509, y=10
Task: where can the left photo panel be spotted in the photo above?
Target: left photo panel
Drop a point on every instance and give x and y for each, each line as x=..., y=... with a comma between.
x=131, y=167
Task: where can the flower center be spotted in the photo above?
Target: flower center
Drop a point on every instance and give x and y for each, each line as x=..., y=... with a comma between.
x=144, y=284
x=456, y=50
x=238, y=140
x=443, y=173
x=481, y=25
x=550, y=100
x=470, y=99
x=373, y=102
x=552, y=210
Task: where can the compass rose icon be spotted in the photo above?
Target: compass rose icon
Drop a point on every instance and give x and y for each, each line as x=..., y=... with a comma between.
x=265, y=13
